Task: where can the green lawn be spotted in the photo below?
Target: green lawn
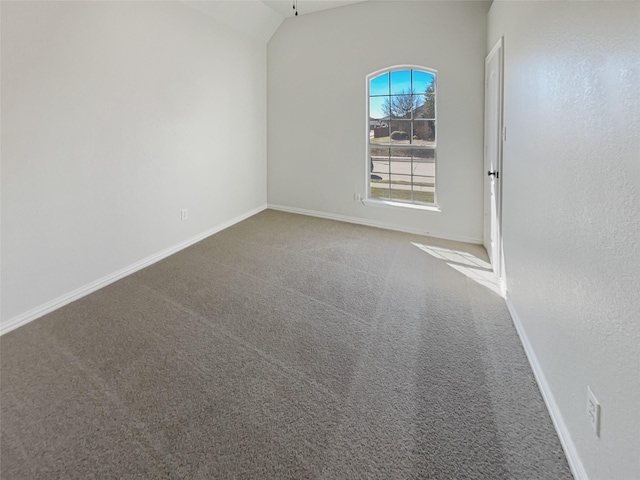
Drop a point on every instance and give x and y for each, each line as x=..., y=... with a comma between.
x=404, y=182
x=397, y=194
x=387, y=140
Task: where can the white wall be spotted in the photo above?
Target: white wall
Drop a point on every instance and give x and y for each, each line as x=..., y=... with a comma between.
x=115, y=116
x=317, y=123
x=571, y=213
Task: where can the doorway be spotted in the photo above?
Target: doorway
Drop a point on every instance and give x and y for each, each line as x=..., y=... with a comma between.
x=493, y=140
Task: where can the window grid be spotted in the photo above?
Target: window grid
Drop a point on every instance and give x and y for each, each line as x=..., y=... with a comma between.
x=411, y=130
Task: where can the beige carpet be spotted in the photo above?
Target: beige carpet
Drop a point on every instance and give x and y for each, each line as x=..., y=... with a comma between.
x=283, y=347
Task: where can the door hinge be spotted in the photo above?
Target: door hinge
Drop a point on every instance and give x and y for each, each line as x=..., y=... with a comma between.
x=504, y=133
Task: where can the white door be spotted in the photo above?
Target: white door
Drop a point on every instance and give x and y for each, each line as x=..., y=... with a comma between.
x=493, y=136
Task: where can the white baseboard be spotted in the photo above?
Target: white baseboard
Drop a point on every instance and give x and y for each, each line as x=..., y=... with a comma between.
x=373, y=223
x=78, y=293
x=575, y=463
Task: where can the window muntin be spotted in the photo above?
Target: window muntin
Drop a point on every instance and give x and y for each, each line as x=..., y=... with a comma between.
x=402, y=135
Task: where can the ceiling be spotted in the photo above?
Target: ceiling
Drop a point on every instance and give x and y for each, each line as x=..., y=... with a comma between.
x=285, y=7
x=260, y=18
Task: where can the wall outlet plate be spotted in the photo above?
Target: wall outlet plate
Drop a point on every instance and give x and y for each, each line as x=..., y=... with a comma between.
x=593, y=411
x=184, y=215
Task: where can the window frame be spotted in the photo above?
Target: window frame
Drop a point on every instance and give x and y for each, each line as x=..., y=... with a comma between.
x=413, y=204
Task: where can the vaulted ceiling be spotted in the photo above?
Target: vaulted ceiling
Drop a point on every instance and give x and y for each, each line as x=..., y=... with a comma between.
x=261, y=18
x=285, y=7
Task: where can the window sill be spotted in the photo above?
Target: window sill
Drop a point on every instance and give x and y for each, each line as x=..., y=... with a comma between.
x=375, y=202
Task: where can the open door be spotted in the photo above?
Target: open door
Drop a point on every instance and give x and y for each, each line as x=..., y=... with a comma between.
x=493, y=138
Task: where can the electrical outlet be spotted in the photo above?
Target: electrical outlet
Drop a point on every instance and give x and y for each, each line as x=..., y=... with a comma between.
x=185, y=214
x=593, y=411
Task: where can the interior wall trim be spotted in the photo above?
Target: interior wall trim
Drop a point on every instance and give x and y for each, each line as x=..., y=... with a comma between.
x=373, y=223
x=37, y=312
x=570, y=450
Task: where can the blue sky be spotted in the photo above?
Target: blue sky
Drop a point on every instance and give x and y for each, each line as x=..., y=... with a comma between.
x=393, y=83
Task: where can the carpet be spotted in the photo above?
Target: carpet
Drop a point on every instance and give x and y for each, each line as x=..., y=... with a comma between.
x=285, y=346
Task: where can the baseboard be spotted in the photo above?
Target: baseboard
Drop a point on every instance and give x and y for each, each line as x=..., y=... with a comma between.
x=575, y=463
x=78, y=293
x=373, y=223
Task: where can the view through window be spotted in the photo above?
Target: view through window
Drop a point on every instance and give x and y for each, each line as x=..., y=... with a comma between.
x=402, y=135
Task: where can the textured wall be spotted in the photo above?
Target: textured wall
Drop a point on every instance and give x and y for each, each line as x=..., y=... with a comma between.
x=115, y=116
x=317, y=123
x=572, y=211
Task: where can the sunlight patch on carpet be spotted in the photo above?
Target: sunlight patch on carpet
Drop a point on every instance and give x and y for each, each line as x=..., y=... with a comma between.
x=475, y=268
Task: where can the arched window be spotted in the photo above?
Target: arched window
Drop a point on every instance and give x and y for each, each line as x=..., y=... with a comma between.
x=402, y=135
